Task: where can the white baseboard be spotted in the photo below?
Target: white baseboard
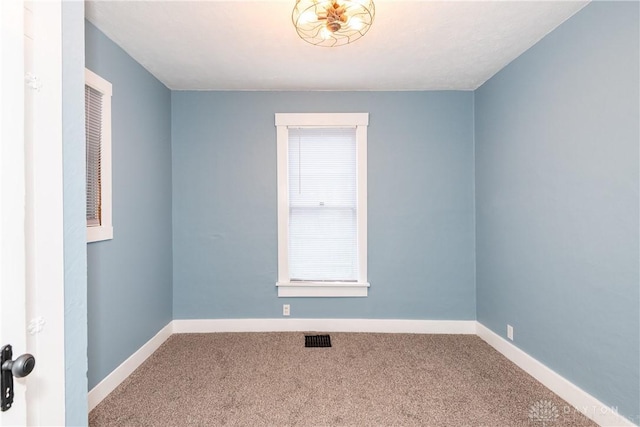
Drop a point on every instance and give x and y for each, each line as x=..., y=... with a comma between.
x=126, y=368
x=591, y=407
x=326, y=325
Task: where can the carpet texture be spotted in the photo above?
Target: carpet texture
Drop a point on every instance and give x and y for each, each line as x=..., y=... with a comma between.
x=271, y=379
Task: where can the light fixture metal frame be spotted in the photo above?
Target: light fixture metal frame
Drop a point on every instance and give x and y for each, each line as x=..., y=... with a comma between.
x=316, y=23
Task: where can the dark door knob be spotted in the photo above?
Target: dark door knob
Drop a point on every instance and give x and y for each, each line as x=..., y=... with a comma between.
x=21, y=367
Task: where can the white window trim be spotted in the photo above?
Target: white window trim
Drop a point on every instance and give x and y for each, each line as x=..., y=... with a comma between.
x=287, y=288
x=104, y=231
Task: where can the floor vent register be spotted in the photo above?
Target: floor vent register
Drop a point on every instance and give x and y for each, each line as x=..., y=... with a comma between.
x=317, y=341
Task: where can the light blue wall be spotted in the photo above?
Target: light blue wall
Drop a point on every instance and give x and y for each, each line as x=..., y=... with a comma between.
x=129, y=290
x=421, y=232
x=75, y=232
x=557, y=134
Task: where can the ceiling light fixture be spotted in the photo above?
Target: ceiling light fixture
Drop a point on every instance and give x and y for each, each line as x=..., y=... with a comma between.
x=331, y=23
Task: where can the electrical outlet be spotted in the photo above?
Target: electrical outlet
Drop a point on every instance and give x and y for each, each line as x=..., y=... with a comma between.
x=510, y=332
x=286, y=309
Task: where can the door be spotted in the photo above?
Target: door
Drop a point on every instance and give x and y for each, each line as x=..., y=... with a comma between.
x=12, y=190
x=31, y=226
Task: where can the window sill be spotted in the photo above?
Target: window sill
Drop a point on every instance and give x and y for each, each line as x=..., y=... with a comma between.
x=99, y=233
x=322, y=289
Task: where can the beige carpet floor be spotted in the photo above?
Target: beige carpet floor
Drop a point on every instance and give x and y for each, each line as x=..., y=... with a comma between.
x=271, y=379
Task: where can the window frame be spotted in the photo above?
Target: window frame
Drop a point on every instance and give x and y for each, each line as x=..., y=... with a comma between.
x=103, y=231
x=287, y=288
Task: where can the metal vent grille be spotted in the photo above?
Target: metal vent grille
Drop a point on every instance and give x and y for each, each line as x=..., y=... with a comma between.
x=317, y=341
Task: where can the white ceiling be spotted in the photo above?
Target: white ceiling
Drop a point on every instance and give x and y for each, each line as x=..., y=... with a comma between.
x=252, y=45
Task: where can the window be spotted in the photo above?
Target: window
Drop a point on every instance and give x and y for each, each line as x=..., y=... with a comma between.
x=322, y=205
x=97, y=100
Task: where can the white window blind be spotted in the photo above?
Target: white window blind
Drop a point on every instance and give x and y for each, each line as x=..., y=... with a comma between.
x=323, y=239
x=93, y=129
x=97, y=99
